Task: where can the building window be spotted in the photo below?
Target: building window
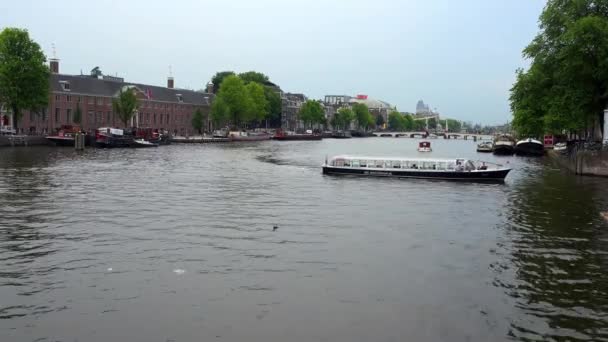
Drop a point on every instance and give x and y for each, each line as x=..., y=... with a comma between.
x=91, y=117
x=68, y=115
x=109, y=119
x=147, y=118
x=65, y=85
x=68, y=98
x=32, y=116
x=99, y=117
x=57, y=98
x=79, y=99
x=57, y=114
x=91, y=100
x=43, y=114
x=98, y=101
x=154, y=119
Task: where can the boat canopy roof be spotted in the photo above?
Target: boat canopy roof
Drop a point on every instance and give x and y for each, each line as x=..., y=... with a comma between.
x=424, y=144
x=352, y=157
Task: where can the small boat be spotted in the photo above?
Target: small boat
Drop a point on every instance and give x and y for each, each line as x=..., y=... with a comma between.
x=65, y=136
x=341, y=135
x=529, y=147
x=248, y=136
x=309, y=135
x=424, y=146
x=108, y=137
x=141, y=143
x=561, y=147
x=504, y=145
x=485, y=146
x=449, y=169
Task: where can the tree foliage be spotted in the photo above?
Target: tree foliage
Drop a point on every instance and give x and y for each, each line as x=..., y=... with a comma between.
x=259, y=106
x=254, y=76
x=24, y=76
x=312, y=113
x=77, y=115
x=566, y=85
x=362, y=115
x=220, y=113
x=198, y=120
x=274, y=105
x=453, y=125
x=236, y=105
x=343, y=118
x=218, y=78
x=125, y=105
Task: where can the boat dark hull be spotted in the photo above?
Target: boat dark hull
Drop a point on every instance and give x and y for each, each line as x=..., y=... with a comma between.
x=530, y=149
x=112, y=142
x=61, y=141
x=504, y=150
x=479, y=176
x=298, y=137
x=250, y=138
x=484, y=150
x=341, y=136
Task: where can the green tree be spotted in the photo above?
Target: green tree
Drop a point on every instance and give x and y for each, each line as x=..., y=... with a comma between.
x=408, y=122
x=454, y=125
x=311, y=113
x=371, y=122
x=77, y=115
x=220, y=113
x=419, y=125
x=254, y=76
x=343, y=118
x=379, y=121
x=432, y=123
x=274, y=105
x=259, y=106
x=125, y=105
x=218, y=78
x=24, y=76
x=362, y=115
x=565, y=87
x=198, y=121
x=235, y=97
x=395, y=121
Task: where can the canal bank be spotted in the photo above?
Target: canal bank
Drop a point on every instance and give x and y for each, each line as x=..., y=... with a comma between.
x=582, y=162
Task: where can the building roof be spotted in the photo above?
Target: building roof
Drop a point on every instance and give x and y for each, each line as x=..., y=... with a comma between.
x=87, y=85
x=371, y=103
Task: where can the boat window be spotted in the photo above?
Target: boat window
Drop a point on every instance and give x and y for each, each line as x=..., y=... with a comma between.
x=355, y=163
x=469, y=165
x=379, y=164
x=451, y=165
x=428, y=165
x=364, y=163
x=442, y=165
x=388, y=164
x=396, y=164
x=339, y=162
x=347, y=163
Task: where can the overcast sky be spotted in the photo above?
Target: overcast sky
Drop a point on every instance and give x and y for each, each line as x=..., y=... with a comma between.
x=458, y=56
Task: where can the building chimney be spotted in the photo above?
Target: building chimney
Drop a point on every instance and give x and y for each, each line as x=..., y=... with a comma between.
x=54, y=65
x=210, y=87
x=170, y=82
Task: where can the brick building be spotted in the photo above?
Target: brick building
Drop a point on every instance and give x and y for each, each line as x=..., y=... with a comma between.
x=165, y=108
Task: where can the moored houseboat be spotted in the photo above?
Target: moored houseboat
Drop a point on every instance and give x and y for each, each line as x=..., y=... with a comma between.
x=449, y=169
x=504, y=145
x=485, y=146
x=248, y=136
x=529, y=147
x=109, y=137
x=286, y=135
x=65, y=136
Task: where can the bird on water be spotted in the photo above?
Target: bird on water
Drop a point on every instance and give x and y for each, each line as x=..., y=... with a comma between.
x=275, y=227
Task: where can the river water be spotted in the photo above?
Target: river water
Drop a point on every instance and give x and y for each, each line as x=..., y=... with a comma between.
x=176, y=244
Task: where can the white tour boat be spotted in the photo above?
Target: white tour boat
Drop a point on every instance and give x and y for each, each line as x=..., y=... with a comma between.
x=451, y=169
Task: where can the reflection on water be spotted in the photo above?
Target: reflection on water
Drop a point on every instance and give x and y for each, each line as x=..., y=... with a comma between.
x=558, y=257
x=176, y=244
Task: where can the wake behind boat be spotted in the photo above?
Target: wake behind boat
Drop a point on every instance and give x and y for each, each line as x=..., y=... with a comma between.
x=449, y=169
